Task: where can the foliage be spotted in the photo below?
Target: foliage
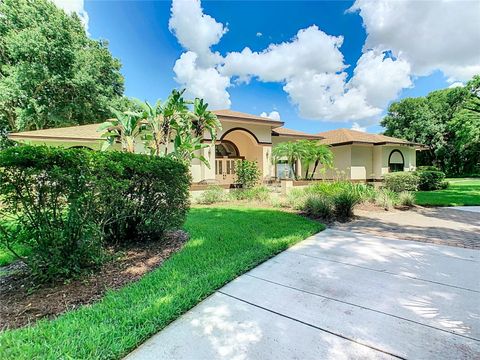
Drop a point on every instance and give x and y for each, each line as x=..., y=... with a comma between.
x=344, y=203
x=224, y=243
x=447, y=121
x=65, y=204
x=140, y=196
x=162, y=124
x=430, y=180
x=406, y=198
x=51, y=73
x=316, y=153
x=386, y=198
x=319, y=206
x=401, y=181
x=212, y=195
x=247, y=173
x=291, y=151
x=460, y=192
x=256, y=193
x=47, y=194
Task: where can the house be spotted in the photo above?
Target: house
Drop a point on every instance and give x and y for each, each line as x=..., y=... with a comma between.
x=358, y=156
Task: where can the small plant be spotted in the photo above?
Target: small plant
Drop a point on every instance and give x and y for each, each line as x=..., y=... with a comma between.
x=344, y=203
x=247, y=173
x=212, y=195
x=257, y=193
x=386, y=198
x=296, y=198
x=401, y=181
x=318, y=206
x=406, y=198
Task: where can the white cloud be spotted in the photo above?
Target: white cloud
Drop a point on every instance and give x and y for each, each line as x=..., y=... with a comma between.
x=456, y=84
x=357, y=127
x=74, y=6
x=195, y=30
x=259, y=34
x=429, y=35
x=274, y=115
x=205, y=83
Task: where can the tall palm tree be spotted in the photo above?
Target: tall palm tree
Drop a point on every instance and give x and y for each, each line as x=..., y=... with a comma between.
x=125, y=126
x=152, y=115
x=322, y=155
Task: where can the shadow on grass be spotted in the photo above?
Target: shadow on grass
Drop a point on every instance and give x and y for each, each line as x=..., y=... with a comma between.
x=224, y=243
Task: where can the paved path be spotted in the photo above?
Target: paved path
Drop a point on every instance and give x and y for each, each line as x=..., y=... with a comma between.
x=443, y=226
x=337, y=295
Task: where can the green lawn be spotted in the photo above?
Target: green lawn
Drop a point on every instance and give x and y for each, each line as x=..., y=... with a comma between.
x=224, y=243
x=460, y=192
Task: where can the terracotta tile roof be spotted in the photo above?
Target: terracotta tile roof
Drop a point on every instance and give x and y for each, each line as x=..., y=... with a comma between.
x=344, y=136
x=281, y=131
x=79, y=132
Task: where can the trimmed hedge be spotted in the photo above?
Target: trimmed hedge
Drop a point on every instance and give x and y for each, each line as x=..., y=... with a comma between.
x=66, y=204
x=401, y=181
x=431, y=180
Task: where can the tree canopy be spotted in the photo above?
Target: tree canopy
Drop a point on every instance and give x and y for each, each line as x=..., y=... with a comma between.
x=51, y=73
x=447, y=121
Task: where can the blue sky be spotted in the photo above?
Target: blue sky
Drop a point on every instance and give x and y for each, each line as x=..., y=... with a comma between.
x=139, y=35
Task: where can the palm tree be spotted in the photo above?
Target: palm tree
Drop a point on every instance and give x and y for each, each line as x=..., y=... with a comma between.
x=204, y=119
x=125, y=127
x=292, y=151
x=152, y=115
x=321, y=154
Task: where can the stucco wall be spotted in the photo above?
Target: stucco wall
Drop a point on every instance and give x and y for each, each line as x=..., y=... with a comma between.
x=362, y=162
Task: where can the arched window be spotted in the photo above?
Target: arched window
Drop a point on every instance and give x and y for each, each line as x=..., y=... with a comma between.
x=396, y=162
x=226, y=148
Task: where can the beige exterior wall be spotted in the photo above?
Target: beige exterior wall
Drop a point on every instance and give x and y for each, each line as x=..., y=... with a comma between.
x=342, y=163
x=362, y=162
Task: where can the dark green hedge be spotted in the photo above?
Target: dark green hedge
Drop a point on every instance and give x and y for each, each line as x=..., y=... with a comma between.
x=431, y=180
x=67, y=204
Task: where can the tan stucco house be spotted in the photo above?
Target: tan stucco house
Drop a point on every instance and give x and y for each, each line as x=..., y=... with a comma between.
x=357, y=155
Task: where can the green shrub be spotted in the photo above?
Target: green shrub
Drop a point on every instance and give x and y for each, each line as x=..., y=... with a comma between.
x=212, y=195
x=49, y=194
x=430, y=180
x=386, y=198
x=140, y=196
x=344, y=203
x=66, y=204
x=318, y=206
x=401, y=181
x=296, y=198
x=406, y=198
x=258, y=193
x=247, y=173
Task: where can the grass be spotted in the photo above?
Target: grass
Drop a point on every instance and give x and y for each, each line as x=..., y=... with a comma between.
x=225, y=242
x=6, y=257
x=461, y=192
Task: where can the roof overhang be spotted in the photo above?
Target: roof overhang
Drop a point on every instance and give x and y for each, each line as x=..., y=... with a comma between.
x=273, y=123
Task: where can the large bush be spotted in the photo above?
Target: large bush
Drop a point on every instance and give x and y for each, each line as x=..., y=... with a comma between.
x=65, y=204
x=401, y=181
x=48, y=194
x=140, y=196
x=431, y=180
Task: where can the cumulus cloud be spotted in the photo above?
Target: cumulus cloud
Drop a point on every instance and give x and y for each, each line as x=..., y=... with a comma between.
x=404, y=39
x=74, y=6
x=274, y=115
x=259, y=34
x=356, y=126
x=429, y=35
x=205, y=83
x=195, y=30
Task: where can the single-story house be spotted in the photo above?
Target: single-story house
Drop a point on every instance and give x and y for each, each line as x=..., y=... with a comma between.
x=357, y=155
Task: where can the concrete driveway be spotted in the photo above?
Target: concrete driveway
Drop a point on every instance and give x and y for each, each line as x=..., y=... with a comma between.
x=338, y=295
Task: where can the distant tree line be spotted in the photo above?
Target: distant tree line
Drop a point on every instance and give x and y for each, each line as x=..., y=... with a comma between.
x=51, y=73
x=447, y=121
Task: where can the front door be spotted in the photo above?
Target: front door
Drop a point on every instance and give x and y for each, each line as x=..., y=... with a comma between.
x=225, y=170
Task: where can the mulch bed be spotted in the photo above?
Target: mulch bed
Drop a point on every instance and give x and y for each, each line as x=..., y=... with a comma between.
x=21, y=303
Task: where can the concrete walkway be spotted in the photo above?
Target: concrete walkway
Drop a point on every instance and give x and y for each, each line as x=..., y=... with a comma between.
x=337, y=295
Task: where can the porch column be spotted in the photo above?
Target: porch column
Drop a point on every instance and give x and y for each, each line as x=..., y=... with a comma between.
x=209, y=154
x=266, y=164
x=298, y=169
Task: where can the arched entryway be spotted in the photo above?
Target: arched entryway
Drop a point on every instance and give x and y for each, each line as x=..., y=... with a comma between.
x=236, y=144
x=396, y=161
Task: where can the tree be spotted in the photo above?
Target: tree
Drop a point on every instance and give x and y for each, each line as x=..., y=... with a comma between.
x=51, y=73
x=159, y=126
x=321, y=154
x=292, y=151
x=445, y=121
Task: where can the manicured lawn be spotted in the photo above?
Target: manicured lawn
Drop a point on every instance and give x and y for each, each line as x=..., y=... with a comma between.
x=224, y=243
x=461, y=192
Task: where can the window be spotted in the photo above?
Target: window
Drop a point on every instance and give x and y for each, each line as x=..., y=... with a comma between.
x=226, y=148
x=396, y=161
